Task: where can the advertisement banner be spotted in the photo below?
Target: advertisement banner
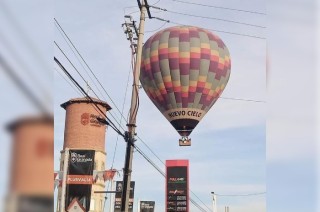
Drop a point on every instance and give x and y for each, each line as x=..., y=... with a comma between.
x=147, y=206
x=177, y=185
x=79, y=178
x=117, y=203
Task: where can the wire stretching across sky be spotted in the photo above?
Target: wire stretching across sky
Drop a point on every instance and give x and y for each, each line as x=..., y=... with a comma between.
x=214, y=18
x=115, y=119
x=214, y=30
x=241, y=195
x=232, y=33
x=65, y=34
x=219, y=7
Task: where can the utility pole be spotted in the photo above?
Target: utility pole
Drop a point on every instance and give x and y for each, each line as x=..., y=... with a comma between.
x=214, y=202
x=129, y=135
x=64, y=180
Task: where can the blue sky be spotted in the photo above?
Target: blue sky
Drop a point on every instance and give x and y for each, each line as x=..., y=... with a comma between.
x=229, y=146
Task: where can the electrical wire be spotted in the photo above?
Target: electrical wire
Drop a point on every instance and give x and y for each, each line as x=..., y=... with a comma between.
x=214, y=30
x=241, y=195
x=82, y=77
x=246, y=100
x=25, y=38
x=117, y=139
x=109, y=122
x=23, y=87
x=74, y=53
x=72, y=86
x=150, y=149
x=155, y=3
x=226, y=32
x=69, y=61
x=60, y=29
x=217, y=19
x=197, y=205
x=23, y=65
x=157, y=28
x=88, y=66
x=219, y=7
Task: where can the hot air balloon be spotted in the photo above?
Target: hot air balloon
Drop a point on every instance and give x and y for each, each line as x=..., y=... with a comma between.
x=184, y=70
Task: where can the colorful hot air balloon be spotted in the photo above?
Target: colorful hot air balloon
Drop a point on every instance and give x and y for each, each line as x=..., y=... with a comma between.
x=184, y=70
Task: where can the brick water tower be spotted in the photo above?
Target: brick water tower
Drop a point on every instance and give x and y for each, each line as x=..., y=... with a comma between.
x=83, y=131
x=30, y=178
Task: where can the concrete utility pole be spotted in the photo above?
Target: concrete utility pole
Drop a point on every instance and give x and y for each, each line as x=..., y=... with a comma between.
x=214, y=202
x=64, y=180
x=133, y=114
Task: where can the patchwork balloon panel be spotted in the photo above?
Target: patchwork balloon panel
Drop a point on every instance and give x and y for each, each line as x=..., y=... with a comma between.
x=184, y=67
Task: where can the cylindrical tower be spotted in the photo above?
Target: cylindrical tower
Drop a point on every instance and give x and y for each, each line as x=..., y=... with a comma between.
x=83, y=131
x=30, y=186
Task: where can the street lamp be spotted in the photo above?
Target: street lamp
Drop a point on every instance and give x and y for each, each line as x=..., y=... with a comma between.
x=214, y=202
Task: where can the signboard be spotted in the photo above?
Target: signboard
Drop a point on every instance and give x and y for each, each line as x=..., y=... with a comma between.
x=117, y=203
x=147, y=206
x=177, y=185
x=32, y=203
x=79, y=178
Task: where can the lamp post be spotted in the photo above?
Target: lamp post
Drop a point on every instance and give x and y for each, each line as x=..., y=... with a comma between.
x=214, y=202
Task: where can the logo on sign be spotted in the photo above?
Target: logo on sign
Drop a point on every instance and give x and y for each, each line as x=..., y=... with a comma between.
x=85, y=117
x=79, y=158
x=176, y=191
x=73, y=157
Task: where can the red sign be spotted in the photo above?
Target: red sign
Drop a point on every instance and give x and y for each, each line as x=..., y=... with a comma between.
x=177, y=185
x=80, y=179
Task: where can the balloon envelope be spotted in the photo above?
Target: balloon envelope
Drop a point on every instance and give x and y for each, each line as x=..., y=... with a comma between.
x=184, y=70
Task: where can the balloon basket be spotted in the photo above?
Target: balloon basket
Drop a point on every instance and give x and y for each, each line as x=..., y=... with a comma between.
x=185, y=141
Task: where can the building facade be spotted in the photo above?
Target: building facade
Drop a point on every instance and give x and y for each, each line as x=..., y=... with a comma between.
x=83, y=131
x=30, y=187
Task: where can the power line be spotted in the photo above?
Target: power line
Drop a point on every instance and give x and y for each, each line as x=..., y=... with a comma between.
x=23, y=65
x=157, y=28
x=219, y=7
x=109, y=122
x=197, y=205
x=155, y=3
x=150, y=150
x=226, y=32
x=27, y=41
x=69, y=61
x=213, y=30
x=74, y=53
x=246, y=100
x=87, y=66
x=117, y=139
x=23, y=87
x=72, y=86
x=82, y=78
x=241, y=195
x=213, y=18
